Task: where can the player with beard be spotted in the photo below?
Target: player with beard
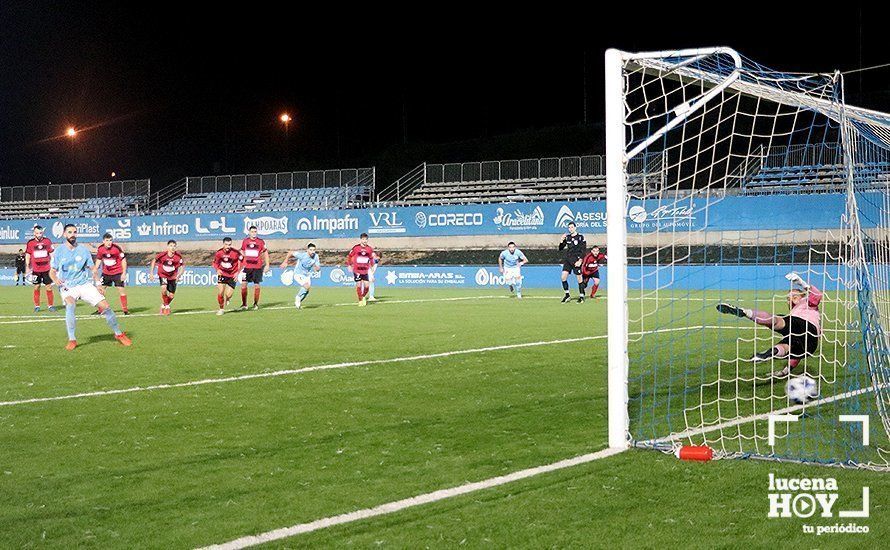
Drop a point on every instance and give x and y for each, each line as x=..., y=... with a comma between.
x=72, y=270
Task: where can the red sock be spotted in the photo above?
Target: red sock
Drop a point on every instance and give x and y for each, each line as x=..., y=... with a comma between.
x=244, y=295
x=365, y=290
x=164, y=299
x=221, y=300
x=124, y=302
x=49, y=297
x=36, y=297
x=593, y=290
x=256, y=295
x=358, y=291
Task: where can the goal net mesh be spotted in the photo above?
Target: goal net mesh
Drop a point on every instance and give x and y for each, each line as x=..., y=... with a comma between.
x=760, y=174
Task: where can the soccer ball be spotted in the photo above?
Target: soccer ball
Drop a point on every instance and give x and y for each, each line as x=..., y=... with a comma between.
x=802, y=389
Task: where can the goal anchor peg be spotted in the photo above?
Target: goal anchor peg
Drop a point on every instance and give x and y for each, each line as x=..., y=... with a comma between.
x=701, y=453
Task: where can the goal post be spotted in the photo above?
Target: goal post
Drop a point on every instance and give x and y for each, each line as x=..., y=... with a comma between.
x=748, y=234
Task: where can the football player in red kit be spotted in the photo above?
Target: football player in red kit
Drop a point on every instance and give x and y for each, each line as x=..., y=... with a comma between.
x=590, y=268
x=110, y=257
x=38, y=253
x=256, y=261
x=359, y=262
x=170, y=267
x=227, y=263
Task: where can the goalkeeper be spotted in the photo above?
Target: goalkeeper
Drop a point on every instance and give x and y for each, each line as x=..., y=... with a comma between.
x=800, y=329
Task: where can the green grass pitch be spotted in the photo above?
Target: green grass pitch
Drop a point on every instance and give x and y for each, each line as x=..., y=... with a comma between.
x=197, y=465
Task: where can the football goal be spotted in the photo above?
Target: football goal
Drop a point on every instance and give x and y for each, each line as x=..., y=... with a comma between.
x=748, y=284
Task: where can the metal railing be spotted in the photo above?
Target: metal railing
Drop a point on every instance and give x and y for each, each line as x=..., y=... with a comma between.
x=346, y=177
x=780, y=156
x=74, y=191
x=516, y=170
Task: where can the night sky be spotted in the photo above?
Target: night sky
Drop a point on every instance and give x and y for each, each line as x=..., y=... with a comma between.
x=164, y=93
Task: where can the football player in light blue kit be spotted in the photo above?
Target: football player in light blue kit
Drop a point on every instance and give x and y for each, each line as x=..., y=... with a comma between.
x=510, y=264
x=72, y=270
x=307, y=262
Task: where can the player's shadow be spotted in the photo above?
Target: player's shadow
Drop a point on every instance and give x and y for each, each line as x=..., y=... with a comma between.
x=272, y=304
x=138, y=309
x=108, y=337
x=186, y=310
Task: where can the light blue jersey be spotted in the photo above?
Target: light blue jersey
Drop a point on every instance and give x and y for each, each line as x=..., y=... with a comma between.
x=512, y=259
x=73, y=266
x=305, y=263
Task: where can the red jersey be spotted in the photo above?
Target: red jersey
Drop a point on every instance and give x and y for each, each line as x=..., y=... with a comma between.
x=253, y=251
x=228, y=262
x=112, y=258
x=360, y=258
x=40, y=254
x=591, y=263
x=168, y=266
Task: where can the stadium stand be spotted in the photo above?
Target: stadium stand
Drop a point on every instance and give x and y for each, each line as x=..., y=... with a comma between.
x=99, y=199
x=547, y=179
x=304, y=190
x=823, y=178
x=267, y=201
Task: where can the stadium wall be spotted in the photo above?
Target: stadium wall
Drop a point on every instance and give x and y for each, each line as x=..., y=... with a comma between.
x=457, y=226
x=677, y=277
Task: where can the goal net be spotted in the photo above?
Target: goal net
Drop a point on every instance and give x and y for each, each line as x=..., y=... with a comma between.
x=748, y=278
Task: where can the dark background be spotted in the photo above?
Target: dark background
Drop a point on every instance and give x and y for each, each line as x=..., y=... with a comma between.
x=165, y=91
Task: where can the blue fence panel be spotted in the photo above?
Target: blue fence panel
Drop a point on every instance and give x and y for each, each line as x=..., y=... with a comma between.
x=686, y=214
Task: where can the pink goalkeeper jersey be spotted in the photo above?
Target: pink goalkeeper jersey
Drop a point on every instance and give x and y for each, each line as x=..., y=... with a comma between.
x=808, y=309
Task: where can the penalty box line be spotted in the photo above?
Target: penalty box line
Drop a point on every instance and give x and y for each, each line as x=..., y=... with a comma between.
x=330, y=366
x=399, y=505
x=288, y=372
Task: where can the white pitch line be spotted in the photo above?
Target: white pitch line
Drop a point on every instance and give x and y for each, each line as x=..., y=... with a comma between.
x=763, y=416
x=331, y=366
x=419, y=500
x=26, y=319
x=288, y=372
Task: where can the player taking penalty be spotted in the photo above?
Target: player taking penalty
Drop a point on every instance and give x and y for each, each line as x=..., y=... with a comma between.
x=170, y=268
x=38, y=253
x=510, y=264
x=307, y=262
x=359, y=262
x=256, y=261
x=72, y=270
x=113, y=262
x=227, y=263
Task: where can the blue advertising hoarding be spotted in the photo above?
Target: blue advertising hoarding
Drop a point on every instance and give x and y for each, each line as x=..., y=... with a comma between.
x=680, y=277
x=683, y=214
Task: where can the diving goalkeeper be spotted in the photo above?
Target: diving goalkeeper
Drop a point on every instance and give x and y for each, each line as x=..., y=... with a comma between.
x=800, y=329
